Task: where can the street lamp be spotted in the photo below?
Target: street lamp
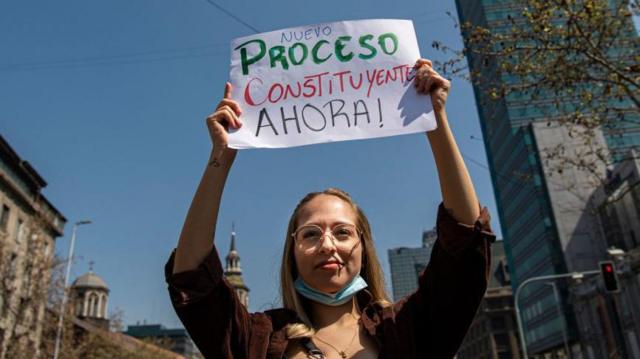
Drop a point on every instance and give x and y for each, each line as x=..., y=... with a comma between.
x=574, y=275
x=56, y=352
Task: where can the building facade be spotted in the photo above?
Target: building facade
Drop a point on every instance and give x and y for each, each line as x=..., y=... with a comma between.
x=609, y=323
x=546, y=221
x=178, y=339
x=233, y=272
x=29, y=225
x=90, y=296
x=407, y=264
x=494, y=331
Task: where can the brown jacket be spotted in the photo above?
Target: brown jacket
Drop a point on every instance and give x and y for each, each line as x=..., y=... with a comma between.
x=429, y=323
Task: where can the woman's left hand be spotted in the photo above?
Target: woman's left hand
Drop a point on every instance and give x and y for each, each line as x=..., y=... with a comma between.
x=428, y=81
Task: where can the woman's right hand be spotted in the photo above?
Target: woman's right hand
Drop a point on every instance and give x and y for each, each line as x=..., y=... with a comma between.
x=219, y=122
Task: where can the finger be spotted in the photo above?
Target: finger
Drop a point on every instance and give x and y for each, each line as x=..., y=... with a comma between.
x=231, y=118
x=420, y=77
x=227, y=90
x=217, y=116
x=218, y=122
x=435, y=73
x=427, y=85
x=226, y=116
x=423, y=77
x=422, y=62
x=213, y=123
x=231, y=103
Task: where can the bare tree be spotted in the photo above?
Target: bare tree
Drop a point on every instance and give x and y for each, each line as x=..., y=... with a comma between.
x=576, y=61
x=25, y=265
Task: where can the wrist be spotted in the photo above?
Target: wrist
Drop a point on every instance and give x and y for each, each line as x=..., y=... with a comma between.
x=441, y=115
x=441, y=122
x=222, y=158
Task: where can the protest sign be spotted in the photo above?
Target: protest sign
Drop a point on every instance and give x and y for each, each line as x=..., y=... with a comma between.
x=328, y=82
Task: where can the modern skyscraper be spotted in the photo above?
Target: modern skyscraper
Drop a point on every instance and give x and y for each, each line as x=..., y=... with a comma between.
x=545, y=222
x=407, y=264
x=233, y=272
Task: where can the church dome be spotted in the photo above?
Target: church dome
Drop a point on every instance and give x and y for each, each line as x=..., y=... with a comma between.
x=89, y=280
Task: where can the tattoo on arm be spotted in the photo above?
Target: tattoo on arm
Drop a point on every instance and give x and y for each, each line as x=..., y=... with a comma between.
x=214, y=162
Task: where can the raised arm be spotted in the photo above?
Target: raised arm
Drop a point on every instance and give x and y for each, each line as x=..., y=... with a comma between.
x=434, y=319
x=196, y=238
x=458, y=193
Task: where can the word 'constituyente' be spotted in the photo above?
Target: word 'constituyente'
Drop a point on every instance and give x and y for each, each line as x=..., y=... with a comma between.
x=321, y=51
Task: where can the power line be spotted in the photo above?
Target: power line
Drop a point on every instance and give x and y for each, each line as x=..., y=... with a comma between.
x=513, y=180
x=113, y=57
x=123, y=59
x=132, y=58
x=232, y=15
x=72, y=64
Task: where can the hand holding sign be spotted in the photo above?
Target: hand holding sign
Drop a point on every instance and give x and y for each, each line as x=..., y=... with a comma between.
x=219, y=122
x=428, y=81
x=329, y=82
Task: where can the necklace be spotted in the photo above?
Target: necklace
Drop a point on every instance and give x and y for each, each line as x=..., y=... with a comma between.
x=342, y=353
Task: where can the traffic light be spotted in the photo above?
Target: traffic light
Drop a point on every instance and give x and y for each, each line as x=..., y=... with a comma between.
x=608, y=272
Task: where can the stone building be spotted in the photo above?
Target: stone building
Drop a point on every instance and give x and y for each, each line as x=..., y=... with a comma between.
x=90, y=297
x=29, y=225
x=233, y=272
x=494, y=331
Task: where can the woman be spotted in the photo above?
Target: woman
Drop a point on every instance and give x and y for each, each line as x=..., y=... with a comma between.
x=331, y=282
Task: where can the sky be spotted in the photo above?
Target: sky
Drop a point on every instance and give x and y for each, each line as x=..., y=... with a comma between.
x=107, y=101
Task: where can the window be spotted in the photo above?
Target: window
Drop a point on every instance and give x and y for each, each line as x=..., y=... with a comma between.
x=4, y=217
x=19, y=232
x=47, y=249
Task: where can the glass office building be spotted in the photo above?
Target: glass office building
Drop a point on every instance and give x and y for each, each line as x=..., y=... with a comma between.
x=408, y=263
x=545, y=228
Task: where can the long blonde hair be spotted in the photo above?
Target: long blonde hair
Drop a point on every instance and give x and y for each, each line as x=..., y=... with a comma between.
x=371, y=270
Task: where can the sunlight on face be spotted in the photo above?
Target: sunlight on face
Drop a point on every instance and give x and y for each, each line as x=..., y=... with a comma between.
x=325, y=266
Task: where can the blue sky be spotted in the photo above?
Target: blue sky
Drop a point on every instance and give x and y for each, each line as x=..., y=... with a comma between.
x=107, y=101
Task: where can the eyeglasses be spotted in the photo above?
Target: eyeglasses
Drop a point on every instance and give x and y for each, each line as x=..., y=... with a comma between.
x=343, y=236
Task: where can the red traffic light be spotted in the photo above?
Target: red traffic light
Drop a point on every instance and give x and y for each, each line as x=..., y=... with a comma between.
x=609, y=277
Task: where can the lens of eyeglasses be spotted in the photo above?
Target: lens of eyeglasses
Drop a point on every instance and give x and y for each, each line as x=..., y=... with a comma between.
x=311, y=235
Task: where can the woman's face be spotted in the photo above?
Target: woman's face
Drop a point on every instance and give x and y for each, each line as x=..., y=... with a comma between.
x=331, y=263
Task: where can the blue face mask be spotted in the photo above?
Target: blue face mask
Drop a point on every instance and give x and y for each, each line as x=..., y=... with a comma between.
x=342, y=296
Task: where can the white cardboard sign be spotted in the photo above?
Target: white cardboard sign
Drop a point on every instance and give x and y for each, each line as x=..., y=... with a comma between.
x=328, y=82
